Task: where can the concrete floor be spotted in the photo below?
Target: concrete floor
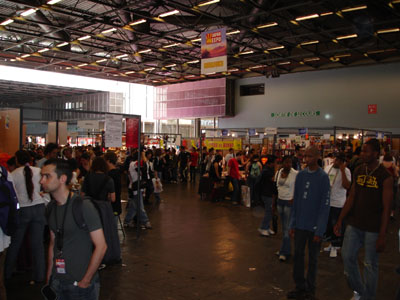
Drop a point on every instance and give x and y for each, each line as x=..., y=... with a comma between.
x=203, y=250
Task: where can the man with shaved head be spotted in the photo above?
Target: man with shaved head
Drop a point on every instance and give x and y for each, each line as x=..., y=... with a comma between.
x=308, y=222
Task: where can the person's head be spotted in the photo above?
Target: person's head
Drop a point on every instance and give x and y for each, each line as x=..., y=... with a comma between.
x=255, y=158
x=56, y=174
x=211, y=151
x=330, y=155
x=149, y=154
x=231, y=150
x=11, y=164
x=239, y=154
x=311, y=156
x=370, y=151
x=173, y=151
x=51, y=150
x=388, y=157
x=340, y=159
x=39, y=152
x=111, y=158
x=270, y=160
x=158, y=152
x=67, y=152
x=194, y=149
x=204, y=149
x=287, y=163
x=85, y=158
x=99, y=165
x=23, y=158
x=217, y=158
x=182, y=149
x=78, y=152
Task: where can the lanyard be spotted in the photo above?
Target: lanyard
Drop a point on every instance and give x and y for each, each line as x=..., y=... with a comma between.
x=60, y=229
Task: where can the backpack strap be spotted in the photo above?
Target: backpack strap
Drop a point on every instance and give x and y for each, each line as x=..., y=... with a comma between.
x=77, y=212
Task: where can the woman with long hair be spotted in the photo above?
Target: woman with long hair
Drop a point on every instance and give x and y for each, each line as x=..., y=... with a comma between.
x=31, y=215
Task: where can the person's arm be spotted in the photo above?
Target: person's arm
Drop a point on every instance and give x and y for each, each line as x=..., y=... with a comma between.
x=346, y=183
x=260, y=165
x=99, y=250
x=292, y=223
x=324, y=209
x=345, y=210
x=387, y=198
x=216, y=170
x=247, y=167
x=50, y=257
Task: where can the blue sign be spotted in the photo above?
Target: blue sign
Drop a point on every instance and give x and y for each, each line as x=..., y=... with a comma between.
x=303, y=131
x=252, y=132
x=224, y=132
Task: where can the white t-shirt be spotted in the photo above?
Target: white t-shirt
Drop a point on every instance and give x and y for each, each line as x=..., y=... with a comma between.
x=285, y=185
x=228, y=157
x=20, y=187
x=338, y=192
x=133, y=174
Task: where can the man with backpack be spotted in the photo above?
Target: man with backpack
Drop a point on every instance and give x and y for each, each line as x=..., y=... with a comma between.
x=74, y=253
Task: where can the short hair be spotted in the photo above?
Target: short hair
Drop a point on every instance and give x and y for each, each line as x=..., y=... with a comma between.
x=11, y=161
x=99, y=165
x=85, y=155
x=239, y=153
x=374, y=144
x=211, y=149
x=149, y=152
x=314, y=150
x=62, y=168
x=218, y=158
x=66, y=149
x=341, y=156
x=182, y=148
x=286, y=157
x=230, y=149
x=50, y=147
x=111, y=157
x=388, y=157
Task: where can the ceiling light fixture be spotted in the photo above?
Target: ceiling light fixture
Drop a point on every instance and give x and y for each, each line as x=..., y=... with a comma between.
x=311, y=59
x=43, y=50
x=28, y=12
x=101, y=60
x=52, y=2
x=121, y=56
x=84, y=38
x=354, y=8
x=233, y=32
x=25, y=55
x=171, y=45
x=171, y=66
x=82, y=65
x=272, y=24
x=389, y=30
x=149, y=69
x=275, y=48
x=343, y=55
x=144, y=51
x=193, y=61
x=62, y=45
x=313, y=16
x=169, y=13
x=284, y=63
x=6, y=22
x=109, y=30
x=257, y=67
x=246, y=52
x=328, y=13
x=208, y=3
x=233, y=70
x=196, y=40
x=129, y=72
x=138, y=22
x=349, y=36
x=309, y=43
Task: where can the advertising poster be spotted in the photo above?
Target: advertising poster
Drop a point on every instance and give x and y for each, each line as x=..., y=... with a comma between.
x=113, y=131
x=213, y=51
x=132, y=131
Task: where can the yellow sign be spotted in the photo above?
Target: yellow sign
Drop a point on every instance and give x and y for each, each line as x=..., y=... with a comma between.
x=224, y=145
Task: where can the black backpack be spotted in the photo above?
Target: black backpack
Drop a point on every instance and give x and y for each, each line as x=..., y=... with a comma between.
x=8, y=204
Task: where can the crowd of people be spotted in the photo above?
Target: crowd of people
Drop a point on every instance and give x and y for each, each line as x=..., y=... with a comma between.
x=345, y=199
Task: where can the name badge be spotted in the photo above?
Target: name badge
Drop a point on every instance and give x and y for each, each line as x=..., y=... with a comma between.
x=60, y=266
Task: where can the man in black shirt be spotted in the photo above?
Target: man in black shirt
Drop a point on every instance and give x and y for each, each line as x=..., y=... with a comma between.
x=183, y=159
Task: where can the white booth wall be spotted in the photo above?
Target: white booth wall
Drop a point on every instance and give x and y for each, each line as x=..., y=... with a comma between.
x=341, y=96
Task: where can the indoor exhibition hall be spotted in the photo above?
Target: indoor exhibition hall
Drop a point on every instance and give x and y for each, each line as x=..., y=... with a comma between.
x=199, y=149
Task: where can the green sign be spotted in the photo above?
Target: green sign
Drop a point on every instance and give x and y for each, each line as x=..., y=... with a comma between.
x=296, y=114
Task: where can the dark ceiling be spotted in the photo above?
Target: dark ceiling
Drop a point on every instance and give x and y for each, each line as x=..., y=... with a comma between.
x=14, y=92
x=129, y=41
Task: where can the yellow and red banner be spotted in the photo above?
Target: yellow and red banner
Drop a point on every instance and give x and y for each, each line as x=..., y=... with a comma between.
x=213, y=51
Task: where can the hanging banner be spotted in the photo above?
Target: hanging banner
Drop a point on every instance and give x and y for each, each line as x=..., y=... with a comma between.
x=89, y=124
x=271, y=131
x=132, y=132
x=113, y=131
x=224, y=145
x=213, y=51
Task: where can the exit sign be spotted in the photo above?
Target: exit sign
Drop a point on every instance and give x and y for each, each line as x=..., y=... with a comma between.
x=372, y=109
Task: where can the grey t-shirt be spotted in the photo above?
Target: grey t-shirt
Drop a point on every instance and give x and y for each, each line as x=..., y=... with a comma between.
x=77, y=246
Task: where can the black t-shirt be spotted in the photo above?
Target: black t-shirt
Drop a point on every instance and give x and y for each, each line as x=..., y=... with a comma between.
x=184, y=157
x=98, y=186
x=115, y=175
x=268, y=187
x=366, y=213
x=82, y=172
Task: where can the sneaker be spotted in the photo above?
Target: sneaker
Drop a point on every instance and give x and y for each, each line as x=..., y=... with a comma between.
x=282, y=257
x=295, y=294
x=328, y=249
x=278, y=253
x=148, y=225
x=333, y=252
x=356, y=296
x=102, y=266
x=271, y=232
x=263, y=232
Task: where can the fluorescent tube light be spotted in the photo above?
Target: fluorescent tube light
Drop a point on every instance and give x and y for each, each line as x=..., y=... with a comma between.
x=144, y=51
x=43, y=50
x=170, y=66
x=28, y=12
x=101, y=60
x=275, y=48
x=171, y=45
x=84, y=38
x=6, y=22
x=284, y=63
x=309, y=43
x=138, y=22
x=109, y=30
x=313, y=16
x=343, y=55
x=312, y=59
x=129, y=72
x=62, y=45
x=82, y=65
x=25, y=55
x=233, y=32
x=149, y=69
x=193, y=62
x=328, y=13
x=349, y=36
x=196, y=40
x=267, y=25
x=51, y=2
x=389, y=30
x=354, y=8
x=246, y=52
x=121, y=56
x=169, y=13
x=208, y=3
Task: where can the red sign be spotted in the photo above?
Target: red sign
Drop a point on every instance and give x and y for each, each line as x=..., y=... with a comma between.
x=132, y=132
x=372, y=109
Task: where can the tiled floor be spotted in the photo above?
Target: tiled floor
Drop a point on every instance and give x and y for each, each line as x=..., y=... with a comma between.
x=210, y=251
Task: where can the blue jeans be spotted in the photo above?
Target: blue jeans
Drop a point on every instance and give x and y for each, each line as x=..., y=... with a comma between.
x=301, y=239
x=284, y=209
x=68, y=291
x=32, y=217
x=354, y=239
x=236, y=190
x=268, y=212
x=132, y=210
x=252, y=182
